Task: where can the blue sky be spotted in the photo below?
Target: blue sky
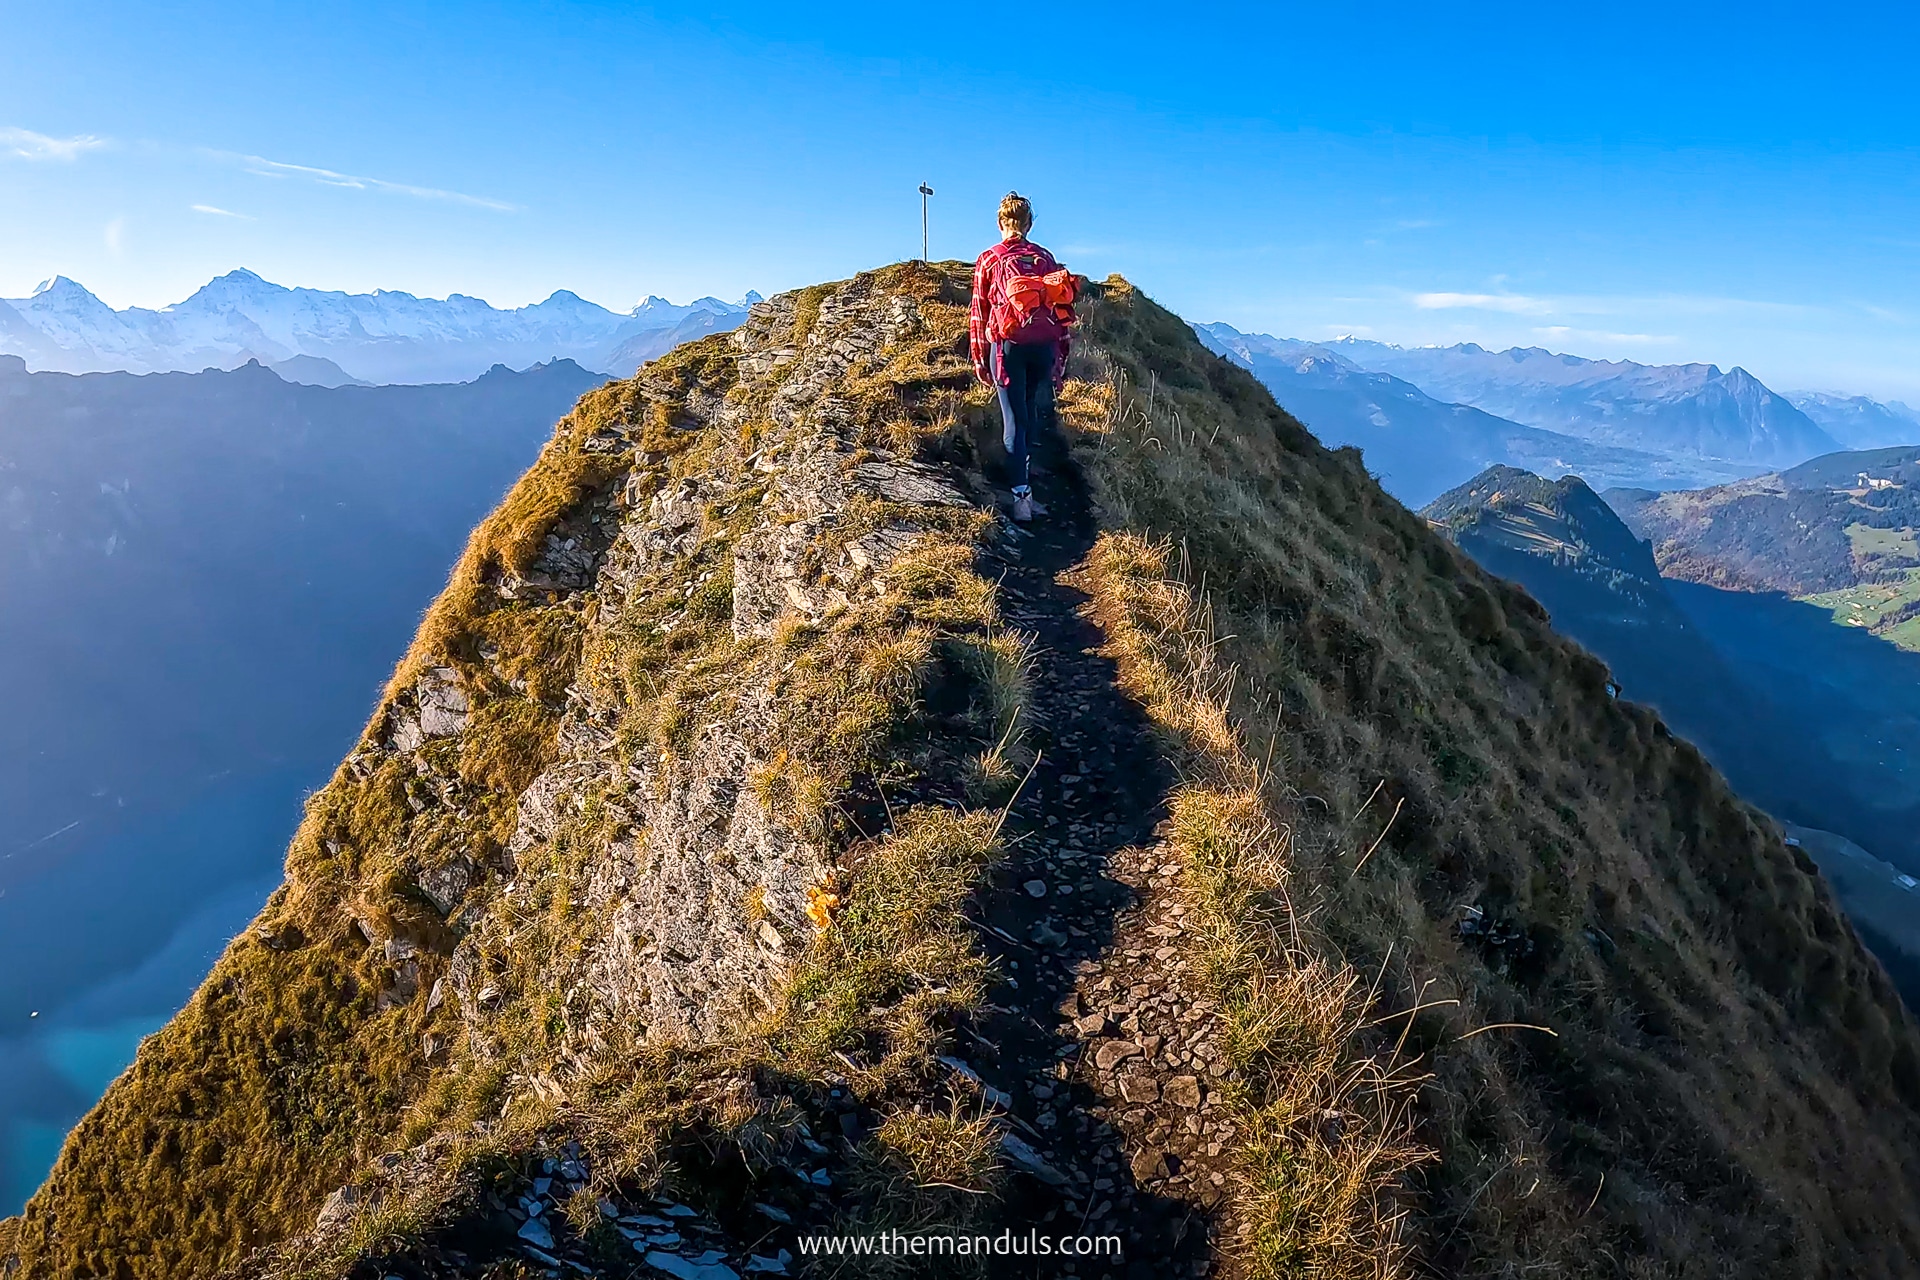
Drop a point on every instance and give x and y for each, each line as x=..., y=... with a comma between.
x=1728, y=183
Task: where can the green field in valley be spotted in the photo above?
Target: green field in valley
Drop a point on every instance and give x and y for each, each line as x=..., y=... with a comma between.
x=1880, y=607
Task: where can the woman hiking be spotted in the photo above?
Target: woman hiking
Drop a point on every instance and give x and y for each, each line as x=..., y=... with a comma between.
x=1022, y=309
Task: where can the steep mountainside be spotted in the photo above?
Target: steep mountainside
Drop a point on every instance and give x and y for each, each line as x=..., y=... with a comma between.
x=1858, y=422
x=386, y=336
x=206, y=575
x=1417, y=445
x=674, y=881
x=1837, y=521
x=1882, y=900
x=1600, y=586
x=1689, y=409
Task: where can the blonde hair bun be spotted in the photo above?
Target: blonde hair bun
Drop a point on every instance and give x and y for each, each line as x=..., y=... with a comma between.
x=1016, y=212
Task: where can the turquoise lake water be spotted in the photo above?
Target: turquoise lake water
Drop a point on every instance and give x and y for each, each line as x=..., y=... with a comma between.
x=55, y=1066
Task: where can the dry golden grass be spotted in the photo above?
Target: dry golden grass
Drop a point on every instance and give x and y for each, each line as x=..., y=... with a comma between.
x=1724, y=1081
x=1326, y=1131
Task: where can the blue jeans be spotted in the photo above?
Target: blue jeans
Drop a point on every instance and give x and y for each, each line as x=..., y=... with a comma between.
x=1024, y=372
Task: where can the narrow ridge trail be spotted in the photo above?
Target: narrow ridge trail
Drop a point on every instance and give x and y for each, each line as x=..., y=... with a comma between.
x=1106, y=1057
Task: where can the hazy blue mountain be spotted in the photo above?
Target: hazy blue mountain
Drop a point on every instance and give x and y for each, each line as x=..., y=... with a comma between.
x=315, y=371
x=1858, y=422
x=207, y=577
x=1817, y=724
x=1420, y=446
x=1686, y=410
x=385, y=336
x=653, y=343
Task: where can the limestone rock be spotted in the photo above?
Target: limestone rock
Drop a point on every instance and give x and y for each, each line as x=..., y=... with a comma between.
x=443, y=703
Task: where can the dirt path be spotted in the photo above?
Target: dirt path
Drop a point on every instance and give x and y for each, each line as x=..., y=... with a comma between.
x=1104, y=1055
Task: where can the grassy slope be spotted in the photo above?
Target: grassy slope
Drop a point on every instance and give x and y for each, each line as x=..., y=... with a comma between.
x=1726, y=1082
x=1729, y=1081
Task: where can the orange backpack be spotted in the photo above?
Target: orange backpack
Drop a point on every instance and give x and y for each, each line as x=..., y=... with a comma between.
x=1037, y=304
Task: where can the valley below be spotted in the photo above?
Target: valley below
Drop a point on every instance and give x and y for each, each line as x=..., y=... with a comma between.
x=1811, y=714
x=209, y=576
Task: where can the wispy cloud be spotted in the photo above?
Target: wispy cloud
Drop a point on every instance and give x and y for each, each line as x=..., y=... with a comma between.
x=264, y=168
x=1561, y=332
x=25, y=144
x=1622, y=305
x=217, y=211
x=1512, y=303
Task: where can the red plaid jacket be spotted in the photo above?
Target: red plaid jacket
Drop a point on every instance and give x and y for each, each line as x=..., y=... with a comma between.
x=987, y=298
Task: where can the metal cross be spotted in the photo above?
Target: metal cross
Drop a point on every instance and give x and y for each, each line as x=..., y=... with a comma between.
x=925, y=191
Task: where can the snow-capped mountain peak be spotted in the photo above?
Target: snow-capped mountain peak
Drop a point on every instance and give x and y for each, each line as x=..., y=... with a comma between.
x=384, y=336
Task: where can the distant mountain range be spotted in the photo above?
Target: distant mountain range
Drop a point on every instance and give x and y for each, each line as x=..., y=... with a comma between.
x=1682, y=411
x=380, y=337
x=1812, y=722
x=1858, y=422
x=1420, y=446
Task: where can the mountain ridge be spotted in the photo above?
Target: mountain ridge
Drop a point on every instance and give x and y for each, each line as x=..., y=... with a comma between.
x=1797, y=531
x=1419, y=445
x=1695, y=410
x=1860, y=422
x=717, y=729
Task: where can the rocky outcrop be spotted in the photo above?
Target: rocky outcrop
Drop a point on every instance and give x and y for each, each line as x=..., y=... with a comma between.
x=693, y=900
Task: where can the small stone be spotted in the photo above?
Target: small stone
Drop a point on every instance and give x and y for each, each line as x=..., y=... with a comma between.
x=1036, y=888
x=534, y=1231
x=1184, y=1091
x=691, y=1268
x=1113, y=1052
x=1139, y=1088
x=1148, y=1165
x=1091, y=1025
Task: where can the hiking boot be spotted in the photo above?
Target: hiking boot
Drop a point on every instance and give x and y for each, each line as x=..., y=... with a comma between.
x=1022, y=508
